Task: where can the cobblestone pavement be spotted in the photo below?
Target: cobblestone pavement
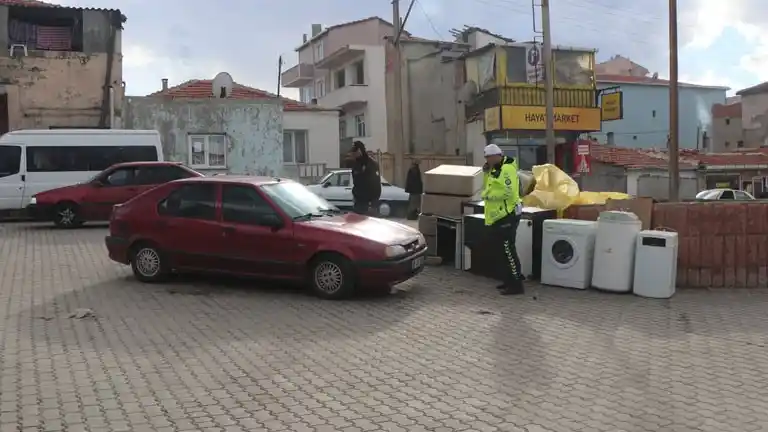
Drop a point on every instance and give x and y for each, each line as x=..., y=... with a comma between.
x=448, y=355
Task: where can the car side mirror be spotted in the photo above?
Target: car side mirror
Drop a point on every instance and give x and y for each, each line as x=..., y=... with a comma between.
x=326, y=184
x=272, y=221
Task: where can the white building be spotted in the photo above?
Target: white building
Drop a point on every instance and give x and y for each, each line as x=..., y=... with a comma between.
x=343, y=66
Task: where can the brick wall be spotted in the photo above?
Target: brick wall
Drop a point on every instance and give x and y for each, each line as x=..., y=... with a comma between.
x=722, y=245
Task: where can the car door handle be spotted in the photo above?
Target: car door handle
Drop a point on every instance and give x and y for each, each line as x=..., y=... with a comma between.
x=348, y=188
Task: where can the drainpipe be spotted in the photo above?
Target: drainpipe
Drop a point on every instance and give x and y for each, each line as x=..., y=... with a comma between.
x=111, y=107
x=114, y=22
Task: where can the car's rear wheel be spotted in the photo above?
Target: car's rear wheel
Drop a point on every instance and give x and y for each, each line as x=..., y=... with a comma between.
x=67, y=215
x=148, y=263
x=331, y=276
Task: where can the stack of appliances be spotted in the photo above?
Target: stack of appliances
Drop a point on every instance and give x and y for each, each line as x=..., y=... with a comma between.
x=446, y=189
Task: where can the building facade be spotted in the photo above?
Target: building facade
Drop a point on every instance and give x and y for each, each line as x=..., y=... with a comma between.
x=619, y=65
x=754, y=114
x=504, y=100
x=727, y=132
x=343, y=67
x=645, y=120
x=306, y=138
x=59, y=66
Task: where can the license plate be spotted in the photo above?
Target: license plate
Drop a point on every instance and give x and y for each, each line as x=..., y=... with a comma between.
x=417, y=263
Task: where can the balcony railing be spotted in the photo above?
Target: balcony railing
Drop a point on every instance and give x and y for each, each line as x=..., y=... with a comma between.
x=298, y=76
x=531, y=96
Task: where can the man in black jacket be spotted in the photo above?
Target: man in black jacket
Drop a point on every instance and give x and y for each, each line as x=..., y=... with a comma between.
x=366, y=189
x=414, y=187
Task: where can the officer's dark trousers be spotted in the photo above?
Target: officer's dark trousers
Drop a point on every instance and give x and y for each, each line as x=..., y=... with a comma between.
x=504, y=234
x=361, y=207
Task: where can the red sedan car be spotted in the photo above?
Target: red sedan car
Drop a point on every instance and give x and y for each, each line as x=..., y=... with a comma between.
x=71, y=206
x=263, y=227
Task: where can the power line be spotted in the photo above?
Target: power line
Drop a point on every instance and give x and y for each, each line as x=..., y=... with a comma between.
x=429, y=20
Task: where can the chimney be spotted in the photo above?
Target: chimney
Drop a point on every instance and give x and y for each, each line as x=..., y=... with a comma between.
x=304, y=38
x=165, y=84
x=316, y=29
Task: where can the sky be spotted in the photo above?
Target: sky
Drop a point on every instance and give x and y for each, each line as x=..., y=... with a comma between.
x=720, y=42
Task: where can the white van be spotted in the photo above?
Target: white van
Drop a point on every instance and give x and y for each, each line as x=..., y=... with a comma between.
x=34, y=161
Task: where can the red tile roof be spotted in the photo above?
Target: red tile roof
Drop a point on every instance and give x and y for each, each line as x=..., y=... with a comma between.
x=646, y=80
x=202, y=89
x=726, y=111
x=689, y=159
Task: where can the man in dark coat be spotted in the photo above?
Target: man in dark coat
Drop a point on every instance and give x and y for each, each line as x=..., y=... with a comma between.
x=414, y=187
x=366, y=188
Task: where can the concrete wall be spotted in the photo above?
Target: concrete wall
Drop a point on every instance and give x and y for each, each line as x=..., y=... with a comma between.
x=254, y=130
x=370, y=32
x=655, y=184
x=754, y=118
x=604, y=178
x=322, y=131
x=432, y=116
x=57, y=88
x=726, y=134
x=646, y=116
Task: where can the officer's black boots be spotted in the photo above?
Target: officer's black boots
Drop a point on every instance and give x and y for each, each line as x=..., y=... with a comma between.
x=513, y=288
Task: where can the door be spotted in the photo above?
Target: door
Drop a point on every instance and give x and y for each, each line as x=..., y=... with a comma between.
x=11, y=176
x=115, y=186
x=339, y=193
x=253, y=244
x=187, y=228
x=150, y=176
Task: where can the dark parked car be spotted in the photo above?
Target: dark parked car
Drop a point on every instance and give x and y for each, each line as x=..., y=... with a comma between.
x=71, y=206
x=264, y=227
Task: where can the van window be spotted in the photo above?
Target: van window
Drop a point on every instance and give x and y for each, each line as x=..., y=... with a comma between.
x=82, y=158
x=10, y=160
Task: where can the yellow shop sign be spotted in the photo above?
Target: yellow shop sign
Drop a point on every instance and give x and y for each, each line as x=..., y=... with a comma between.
x=534, y=118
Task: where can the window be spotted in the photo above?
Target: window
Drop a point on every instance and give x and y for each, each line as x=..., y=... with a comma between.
x=727, y=121
x=360, y=125
x=208, y=151
x=85, y=158
x=190, y=201
x=342, y=129
x=307, y=94
x=359, y=69
x=319, y=51
x=60, y=31
x=341, y=78
x=741, y=195
x=151, y=175
x=243, y=204
x=727, y=144
x=295, y=149
x=740, y=144
x=573, y=67
x=653, y=113
x=295, y=199
x=320, y=88
x=10, y=160
x=727, y=195
x=119, y=177
x=516, y=61
x=343, y=180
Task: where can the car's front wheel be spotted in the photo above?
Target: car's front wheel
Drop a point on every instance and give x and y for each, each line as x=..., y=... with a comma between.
x=67, y=215
x=385, y=209
x=148, y=264
x=331, y=276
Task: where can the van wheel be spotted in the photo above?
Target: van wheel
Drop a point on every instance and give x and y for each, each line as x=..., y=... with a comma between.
x=385, y=209
x=331, y=276
x=148, y=264
x=67, y=215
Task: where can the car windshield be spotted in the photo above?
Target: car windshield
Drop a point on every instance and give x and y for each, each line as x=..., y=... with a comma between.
x=297, y=201
x=708, y=194
x=325, y=178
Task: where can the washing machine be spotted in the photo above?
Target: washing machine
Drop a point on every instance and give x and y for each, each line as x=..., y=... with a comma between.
x=567, y=251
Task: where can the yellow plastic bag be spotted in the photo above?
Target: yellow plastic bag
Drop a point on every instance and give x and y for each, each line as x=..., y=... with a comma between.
x=587, y=198
x=555, y=190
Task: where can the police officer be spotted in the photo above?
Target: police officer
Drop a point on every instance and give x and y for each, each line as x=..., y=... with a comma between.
x=503, y=206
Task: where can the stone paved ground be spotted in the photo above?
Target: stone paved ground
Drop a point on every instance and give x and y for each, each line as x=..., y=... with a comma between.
x=449, y=355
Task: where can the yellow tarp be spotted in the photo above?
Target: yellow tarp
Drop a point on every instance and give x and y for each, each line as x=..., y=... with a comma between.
x=556, y=190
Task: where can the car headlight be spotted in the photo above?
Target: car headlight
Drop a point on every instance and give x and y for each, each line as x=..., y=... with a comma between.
x=33, y=200
x=422, y=240
x=394, y=250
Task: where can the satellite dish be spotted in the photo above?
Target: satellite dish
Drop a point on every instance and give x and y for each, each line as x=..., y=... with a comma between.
x=222, y=85
x=468, y=91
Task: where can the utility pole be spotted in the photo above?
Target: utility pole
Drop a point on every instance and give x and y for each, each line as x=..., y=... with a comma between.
x=396, y=144
x=549, y=82
x=674, y=108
